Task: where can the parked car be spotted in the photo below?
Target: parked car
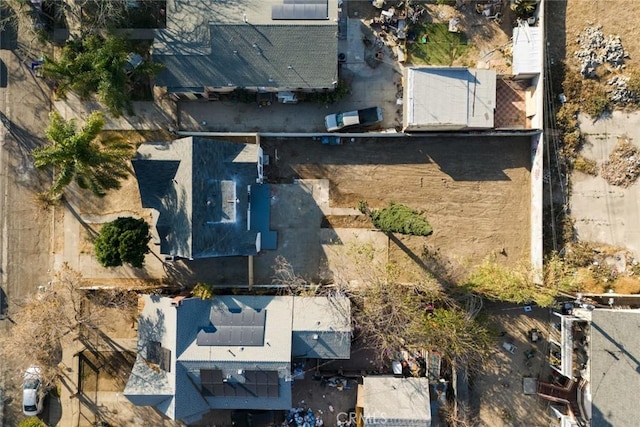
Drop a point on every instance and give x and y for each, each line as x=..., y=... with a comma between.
x=359, y=118
x=32, y=395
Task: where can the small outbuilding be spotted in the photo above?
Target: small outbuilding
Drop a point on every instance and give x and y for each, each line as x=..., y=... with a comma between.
x=391, y=401
x=449, y=99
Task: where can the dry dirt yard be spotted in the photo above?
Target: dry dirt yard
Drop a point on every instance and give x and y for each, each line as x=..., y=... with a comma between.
x=497, y=395
x=474, y=191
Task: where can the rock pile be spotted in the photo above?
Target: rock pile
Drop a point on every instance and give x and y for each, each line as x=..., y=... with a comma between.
x=594, y=49
x=620, y=93
x=623, y=167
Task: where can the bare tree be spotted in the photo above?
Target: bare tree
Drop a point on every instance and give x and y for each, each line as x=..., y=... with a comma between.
x=59, y=314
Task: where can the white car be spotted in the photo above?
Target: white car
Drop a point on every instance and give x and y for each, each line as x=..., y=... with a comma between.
x=32, y=396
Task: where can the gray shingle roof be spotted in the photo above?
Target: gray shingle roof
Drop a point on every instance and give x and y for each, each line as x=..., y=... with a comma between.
x=615, y=367
x=178, y=392
x=199, y=188
x=242, y=55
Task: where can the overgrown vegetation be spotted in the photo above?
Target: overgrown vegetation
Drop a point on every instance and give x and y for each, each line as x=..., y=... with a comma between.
x=397, y=218
x=32, y=422
x=74, y=155
x=124, y=240
x=342, y=89
x=497, y=282
x=203, y=291
x=99, y=65
x=584, y=165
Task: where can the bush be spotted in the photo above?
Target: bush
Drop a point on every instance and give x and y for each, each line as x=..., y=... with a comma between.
x=633, y=84
x=595, y=99
x=124, y=240
x=32, y=422
x=203, y=291
x=585, y=165
x=566, y=117
x=397, y=218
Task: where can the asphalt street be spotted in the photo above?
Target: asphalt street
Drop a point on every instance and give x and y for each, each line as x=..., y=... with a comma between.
x=25, y=228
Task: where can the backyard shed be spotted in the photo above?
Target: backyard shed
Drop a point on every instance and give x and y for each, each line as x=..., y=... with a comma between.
x=391, y=401
x=439, y=99
x=527, y=51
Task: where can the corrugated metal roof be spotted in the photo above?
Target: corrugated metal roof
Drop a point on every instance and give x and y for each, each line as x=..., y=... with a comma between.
x=527, y=50
x=390, y=401
x=449, y=98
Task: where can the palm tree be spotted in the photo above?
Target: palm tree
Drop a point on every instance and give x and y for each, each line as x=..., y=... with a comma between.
x=75, y=155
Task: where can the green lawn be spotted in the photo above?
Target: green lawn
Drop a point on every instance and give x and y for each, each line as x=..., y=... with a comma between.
x=439, y=47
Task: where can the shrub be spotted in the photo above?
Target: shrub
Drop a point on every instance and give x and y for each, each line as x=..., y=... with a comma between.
x=566, y=117
x=633, y=84
x=32, y=422
x=585, y=165
x=572, y=141
x=595, y=99
x=203, y=291
x=398, y=218
x=123, y=240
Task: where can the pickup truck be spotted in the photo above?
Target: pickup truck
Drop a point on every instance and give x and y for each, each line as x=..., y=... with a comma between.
x=359, y=118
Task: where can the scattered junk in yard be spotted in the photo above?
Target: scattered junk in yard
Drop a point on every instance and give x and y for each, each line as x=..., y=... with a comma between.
x=534, y=335
x=417, y=364
x=287, y=97
x=303, y=417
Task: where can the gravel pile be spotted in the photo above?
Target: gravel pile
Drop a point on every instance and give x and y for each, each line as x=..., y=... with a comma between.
x=623, y=167
x=595, y=49
x=620, y=94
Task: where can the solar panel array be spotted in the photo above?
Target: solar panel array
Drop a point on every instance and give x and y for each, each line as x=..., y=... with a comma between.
x=256, y=384
x=300, y=10
x=241, y=328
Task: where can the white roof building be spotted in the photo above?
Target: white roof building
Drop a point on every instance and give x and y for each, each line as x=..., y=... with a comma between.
x=446, y=98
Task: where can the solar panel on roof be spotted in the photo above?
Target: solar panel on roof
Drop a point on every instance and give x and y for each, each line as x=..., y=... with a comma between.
x=298, y=10
x=256, y=384
x=242, y=328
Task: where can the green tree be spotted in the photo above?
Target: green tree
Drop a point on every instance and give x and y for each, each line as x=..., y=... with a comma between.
x=98, y=65
x=123, y=240
x=398, y=218
x=75, y=155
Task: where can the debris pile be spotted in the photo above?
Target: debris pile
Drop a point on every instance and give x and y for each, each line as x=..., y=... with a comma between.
x=620, y=93
x=303, y=417
x=623, y=167
x=594, y=49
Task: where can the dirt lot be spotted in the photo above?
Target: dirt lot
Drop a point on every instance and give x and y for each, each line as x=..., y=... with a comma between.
x=475, y=192
x=498, y=395
x=616, y=18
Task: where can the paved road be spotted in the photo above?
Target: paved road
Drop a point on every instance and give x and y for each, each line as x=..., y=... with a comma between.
x=25, y=228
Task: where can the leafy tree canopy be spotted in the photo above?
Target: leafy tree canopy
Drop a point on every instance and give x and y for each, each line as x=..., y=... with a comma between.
x=74, y=154
x=124, y=240
x=98, y=65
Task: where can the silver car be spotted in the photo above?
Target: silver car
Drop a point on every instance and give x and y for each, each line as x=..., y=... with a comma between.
x=32, y=396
